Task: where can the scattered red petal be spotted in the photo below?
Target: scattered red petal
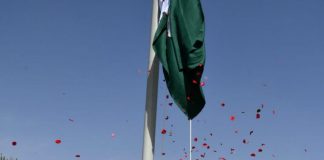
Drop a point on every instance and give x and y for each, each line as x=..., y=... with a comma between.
x=251, y=132
x=188, y=98
x=260, y=150
x=222, y=158
x=14, y=143
x=222, y=104
x=195, y=139
x=202, y=84
x=252, y=154
x=245, y=141
x=258, y=116
x=163, y=131
x=232, y=150
x=170, y=104
x=203, y=155
x=205, y=144
x=200, y=65
x=194, y=82
x=58, y=141
x=232, y=118
x=78, y=156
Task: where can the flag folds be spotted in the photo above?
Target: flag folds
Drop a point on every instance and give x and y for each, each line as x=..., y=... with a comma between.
x=179, y=45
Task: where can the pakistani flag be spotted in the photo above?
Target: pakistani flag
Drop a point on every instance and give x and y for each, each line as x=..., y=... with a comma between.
x=179, y=44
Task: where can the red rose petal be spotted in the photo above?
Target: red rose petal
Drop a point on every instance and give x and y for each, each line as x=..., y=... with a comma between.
x=252, y=154
x=163, y=131
x=232, y=118
x=58, y=141
x=258, y=116
x=14, y=143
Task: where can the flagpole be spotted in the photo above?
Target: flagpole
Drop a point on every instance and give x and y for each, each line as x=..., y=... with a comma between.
x=190, y=136
x=151, y=93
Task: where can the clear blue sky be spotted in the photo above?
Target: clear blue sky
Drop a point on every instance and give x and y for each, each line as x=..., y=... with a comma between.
x=86, y=60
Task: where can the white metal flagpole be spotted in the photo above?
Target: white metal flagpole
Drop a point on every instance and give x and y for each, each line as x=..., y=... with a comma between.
x=151, y=93
x=190, y=136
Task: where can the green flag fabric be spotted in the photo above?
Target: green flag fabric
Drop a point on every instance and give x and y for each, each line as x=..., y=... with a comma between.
x=179, y=45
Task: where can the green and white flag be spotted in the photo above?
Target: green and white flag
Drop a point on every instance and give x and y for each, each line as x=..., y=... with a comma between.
x=179, y=44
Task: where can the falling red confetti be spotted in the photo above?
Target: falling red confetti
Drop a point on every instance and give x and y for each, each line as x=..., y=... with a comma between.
x=251, y=132
x=188, y=98
x=252, y=154
x=232, y=118
x=170, y=104
x=258, y=116
x=260, y=150
x=163, y=154
x=194, y=82
x=78, y=156
x=222, y=104
x=202, y=84
x=245, y=141
x=200, y=65
x=167, y=96
x=58, y=141
x=195, y=139
x=203, y=155
x=232, y=150
x=222, y=158
x=163, y=131
x=14, y=143
x=205, y=144
x=166, y=118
